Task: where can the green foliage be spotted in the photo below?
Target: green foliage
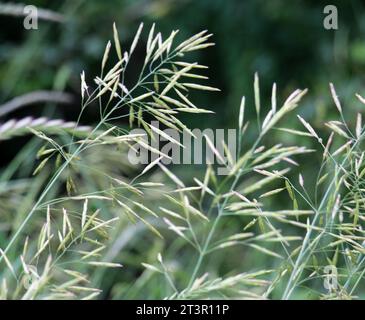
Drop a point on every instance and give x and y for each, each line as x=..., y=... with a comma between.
x=78, y=221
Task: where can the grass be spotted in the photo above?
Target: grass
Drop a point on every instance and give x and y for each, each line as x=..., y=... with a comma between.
x=84, y=209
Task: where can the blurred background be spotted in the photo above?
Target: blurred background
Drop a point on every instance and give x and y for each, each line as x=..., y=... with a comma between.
x=284, y=41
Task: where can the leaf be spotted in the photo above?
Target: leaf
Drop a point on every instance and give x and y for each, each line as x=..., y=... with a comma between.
x=335, y=98
x=116, y=42
x=266, y=251
x=103, y=63
x=272, y=192
x=257, y=94
x=241, y=114
x=136, y=38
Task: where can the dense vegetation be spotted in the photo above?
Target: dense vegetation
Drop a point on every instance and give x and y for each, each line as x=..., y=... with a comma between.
x=78, y=220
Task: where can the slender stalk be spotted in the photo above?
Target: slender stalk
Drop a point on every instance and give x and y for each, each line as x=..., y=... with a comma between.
x=205, y=247
x=298, y=264
x=71, y=157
